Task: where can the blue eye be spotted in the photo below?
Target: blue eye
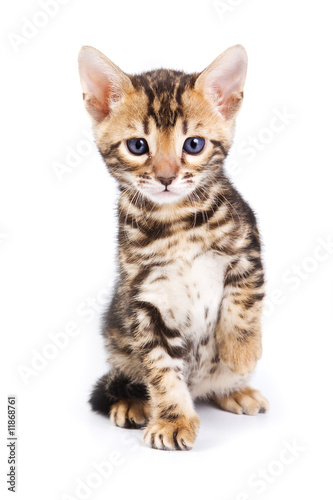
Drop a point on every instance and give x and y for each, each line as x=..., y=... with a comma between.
x=138, y=146
x=194, y=145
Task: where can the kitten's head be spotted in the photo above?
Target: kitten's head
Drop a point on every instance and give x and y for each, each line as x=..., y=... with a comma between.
x=163, y=133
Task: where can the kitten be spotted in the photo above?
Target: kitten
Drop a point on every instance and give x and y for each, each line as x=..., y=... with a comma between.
x=184, y=322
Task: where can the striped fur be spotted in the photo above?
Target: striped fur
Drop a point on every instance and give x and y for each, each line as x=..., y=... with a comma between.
x=184, y=321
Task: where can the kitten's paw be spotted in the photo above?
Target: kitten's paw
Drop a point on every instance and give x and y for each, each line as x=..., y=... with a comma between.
x=177, y=435
x=246, y=401
x=130, y=414
x=241, y=359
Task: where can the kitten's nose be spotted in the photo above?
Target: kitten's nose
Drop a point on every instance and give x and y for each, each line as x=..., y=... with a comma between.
x=166, y=181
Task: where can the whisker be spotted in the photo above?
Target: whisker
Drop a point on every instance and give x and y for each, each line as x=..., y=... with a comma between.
x=203, y=212
x=192, y=200
x=227, y=201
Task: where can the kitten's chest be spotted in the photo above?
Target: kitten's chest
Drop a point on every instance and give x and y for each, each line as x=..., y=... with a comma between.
x=188, y=293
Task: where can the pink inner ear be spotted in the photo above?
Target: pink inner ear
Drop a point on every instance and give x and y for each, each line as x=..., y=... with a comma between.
x=224, y=80
x=99, y=83
x=227, y=94
x=227, y=89
x=97, y=96
x=228, y=105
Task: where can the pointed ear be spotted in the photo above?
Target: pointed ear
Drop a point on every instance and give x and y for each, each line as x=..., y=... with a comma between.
x=103, y=83
x=224, y=80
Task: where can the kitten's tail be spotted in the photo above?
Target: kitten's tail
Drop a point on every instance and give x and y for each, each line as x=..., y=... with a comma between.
x=100, y=400
x=114, y=387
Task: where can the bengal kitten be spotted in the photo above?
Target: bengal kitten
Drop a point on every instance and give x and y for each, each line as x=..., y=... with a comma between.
x=184, y=322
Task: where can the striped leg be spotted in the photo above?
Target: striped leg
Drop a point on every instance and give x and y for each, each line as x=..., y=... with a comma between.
x=239, y=327
x=173, y=423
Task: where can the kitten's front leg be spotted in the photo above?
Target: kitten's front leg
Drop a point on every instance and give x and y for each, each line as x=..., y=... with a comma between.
x=238, y=330
x=174, y=423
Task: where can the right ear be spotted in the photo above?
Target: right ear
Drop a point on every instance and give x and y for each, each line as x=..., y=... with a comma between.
x=223, y=81
x=103, y=83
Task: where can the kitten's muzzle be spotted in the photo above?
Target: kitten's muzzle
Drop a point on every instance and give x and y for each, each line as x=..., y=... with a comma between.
x=166, y=181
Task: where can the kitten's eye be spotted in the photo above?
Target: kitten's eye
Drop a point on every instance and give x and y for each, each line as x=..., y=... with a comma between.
x=194, y=145
x=137, y=146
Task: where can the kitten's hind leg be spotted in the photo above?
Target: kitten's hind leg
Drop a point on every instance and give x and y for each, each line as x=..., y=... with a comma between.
x=245, y=401
x=130, y=414
x=125, y=401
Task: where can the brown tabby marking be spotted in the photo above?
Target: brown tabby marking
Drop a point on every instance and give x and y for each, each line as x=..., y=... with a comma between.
x=185, y=319
x=177, y=435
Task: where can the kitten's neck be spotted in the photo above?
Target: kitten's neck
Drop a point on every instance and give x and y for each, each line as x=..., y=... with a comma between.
x=198, y=208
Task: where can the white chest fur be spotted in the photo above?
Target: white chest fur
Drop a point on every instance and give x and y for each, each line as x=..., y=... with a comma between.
x=188, y=294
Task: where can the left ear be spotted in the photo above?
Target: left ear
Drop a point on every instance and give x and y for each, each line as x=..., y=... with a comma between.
x=223, y=81
x=103, y=83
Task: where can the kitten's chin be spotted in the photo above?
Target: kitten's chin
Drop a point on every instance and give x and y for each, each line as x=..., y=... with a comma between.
x=165, y=197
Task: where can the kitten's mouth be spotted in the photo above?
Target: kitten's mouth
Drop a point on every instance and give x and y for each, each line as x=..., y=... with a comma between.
x=170, y=194
x=165, y=196
x=167, y=192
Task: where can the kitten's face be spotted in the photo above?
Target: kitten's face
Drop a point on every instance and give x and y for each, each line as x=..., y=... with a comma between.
x=163, y=134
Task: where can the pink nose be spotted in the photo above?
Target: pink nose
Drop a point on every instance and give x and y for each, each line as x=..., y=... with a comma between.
x=165, y=168
x=166, y=181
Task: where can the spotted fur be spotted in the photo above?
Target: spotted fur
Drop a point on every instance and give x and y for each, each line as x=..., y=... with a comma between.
x=185, y=318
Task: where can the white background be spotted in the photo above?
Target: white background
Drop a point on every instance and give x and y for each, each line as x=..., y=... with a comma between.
x=58, y=235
